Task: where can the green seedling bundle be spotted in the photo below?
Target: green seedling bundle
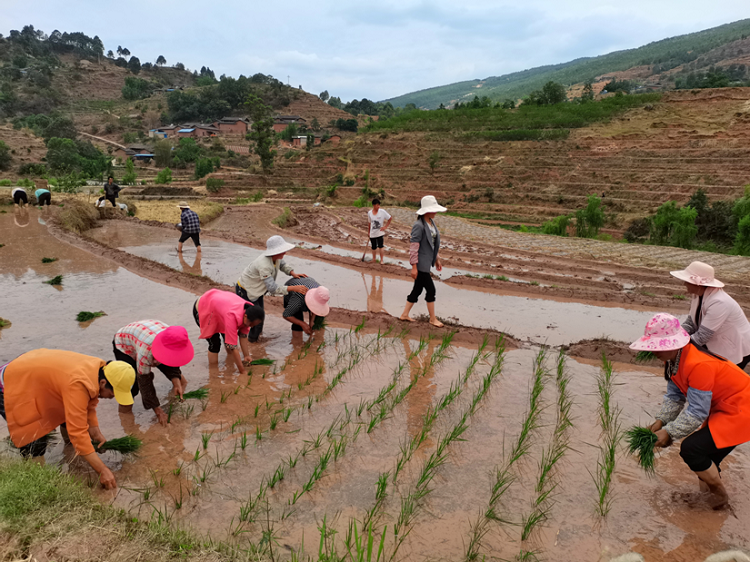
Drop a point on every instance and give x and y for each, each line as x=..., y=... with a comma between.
x=85, y=316
x=641, y=442
x=198, y=394
x=123, y=445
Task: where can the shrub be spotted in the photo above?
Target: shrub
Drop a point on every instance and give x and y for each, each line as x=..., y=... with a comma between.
x=32, y=169
x=362, y=201
x=557, y=226
x=187, y=151
x=25, y=182
x=433, y=160
x=68, y=183
x=162, y=153
x=5, y=156
x=684, y=230
x=590, y=219
x=130, y=176
x=136, y=88
x=214, y=184
x=203, y=167
x=330, y=191
x=164, y=176
x=638, y=230
x=662, y=223
x=285, y=219
x=5, y=183
x=742, y=240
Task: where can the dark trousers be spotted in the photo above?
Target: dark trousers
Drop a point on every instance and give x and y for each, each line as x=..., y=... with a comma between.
x=299, y=316
x=422, y=282
x=111, y=199
x=214, y=342
x=745, y=360
x=196, y=236
x=20, y=196
x=255, y=331
x=699, y=451
x=44, y=199
x=35, y=448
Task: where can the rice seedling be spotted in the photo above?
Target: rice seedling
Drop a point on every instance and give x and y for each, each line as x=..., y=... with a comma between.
x=258, y=433
x=319, y=323
x=197, y=455
x=243, y=440
x=609, y=422
x=177, y=471
x=274, y=421
x=263, y=361
x=641, y=441
x=57, y=280
x=49, y=260
x=644, y=356
x=205, y=438
x=170, y=407
x=124, y=445
x=237, y=390
x=224, y=396
x=286, y=414
x=158, y=481
x=257, y=409
x=187, y=410
x=85, y=316
x=198, y=394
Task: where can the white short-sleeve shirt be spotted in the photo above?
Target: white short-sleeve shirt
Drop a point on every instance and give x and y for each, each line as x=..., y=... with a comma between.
x=377, y=221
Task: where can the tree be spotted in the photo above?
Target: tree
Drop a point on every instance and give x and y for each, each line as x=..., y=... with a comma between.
x=130, y=176
x=179, y=66
x=62, y=155
x=335, y=102
x=324, y=95
x=119, y=50
x=290, y=132
x=164, y=176
x=662, y=223
x=553, y=93
x=161, y=60
x=187, y=151
x=588, y=92
x=590, y=219
x=315, y=124
x=163, y=153
x=203, y=167
x=684, y=228
x=125, y=52
x=5, y=156
x=262, y=131
x=134, y=65
x=110, y=54
x=136, y=88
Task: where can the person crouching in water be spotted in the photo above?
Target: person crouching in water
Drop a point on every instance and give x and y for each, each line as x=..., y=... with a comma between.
x=314, y=302
x=717, y=392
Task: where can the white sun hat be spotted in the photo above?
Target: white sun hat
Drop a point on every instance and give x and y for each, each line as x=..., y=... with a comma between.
x=698, y=273
x=430, y=205
x=277, y=245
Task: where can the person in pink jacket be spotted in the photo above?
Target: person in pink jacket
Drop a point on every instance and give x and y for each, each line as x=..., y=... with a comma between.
x=221, y=314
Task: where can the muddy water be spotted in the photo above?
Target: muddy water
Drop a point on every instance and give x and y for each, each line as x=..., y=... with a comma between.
x=539, y=320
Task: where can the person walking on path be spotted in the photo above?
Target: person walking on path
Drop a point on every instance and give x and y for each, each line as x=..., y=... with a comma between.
x=20, y=198
x=423, y=254
x=314, y=302
x=43, y=197
x=111, y=191
x=380, y=220
x=146, y=344
x=717, y=417
x=191, y=227
x=259, y=278
x=48, y=388
x=221, y=314
x=715, y=321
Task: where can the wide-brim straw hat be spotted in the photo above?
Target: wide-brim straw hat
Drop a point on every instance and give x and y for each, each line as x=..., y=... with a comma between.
x=663, y=333
x=183, y=205
x=317, y=301
x=172, y=347
x=430, y=205
x=277, y=245
x=698, y=273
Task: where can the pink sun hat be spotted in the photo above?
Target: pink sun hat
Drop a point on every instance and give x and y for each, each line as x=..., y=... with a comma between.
x=317, y=301
x=172, y=347
x=663, y=333
x=698, y=273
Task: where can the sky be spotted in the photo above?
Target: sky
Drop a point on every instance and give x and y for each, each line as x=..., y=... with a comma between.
x=377, y=49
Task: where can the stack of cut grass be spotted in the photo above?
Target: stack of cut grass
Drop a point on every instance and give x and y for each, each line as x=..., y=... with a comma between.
x=641, y=441
x=57, y=280
x=124, y=445
x=644, y=356
x=263, y=361
x=85, y=316
x=198, y=394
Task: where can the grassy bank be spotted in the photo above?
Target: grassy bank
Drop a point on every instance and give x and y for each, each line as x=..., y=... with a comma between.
x=52, y=516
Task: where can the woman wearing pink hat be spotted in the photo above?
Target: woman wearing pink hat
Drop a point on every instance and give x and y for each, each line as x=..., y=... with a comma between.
x=716, y=321
x=314, y=301
x=717, y=392
x=150, y=343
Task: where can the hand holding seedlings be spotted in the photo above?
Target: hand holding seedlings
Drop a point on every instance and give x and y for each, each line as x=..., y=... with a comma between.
x=663, y=438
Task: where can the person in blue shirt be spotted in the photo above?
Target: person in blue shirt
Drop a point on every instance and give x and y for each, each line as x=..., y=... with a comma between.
x=43, y=197
x=190, y=225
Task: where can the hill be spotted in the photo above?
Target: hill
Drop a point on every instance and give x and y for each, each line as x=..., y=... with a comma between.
x=659, y=63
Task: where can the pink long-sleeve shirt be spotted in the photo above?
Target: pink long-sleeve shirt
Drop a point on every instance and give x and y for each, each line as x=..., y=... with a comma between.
x=222, y=312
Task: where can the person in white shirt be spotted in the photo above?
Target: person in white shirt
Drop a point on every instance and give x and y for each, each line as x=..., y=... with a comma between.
x=716, y=321
x=380, y=220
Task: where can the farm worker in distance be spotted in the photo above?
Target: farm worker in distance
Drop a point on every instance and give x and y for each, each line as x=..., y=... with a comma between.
x=43, y=197
x=146, y=344
x=190, y=225
x=46, y=388
x=223, y=314
x=20, y=198
x=380, y=220
x=259, y=278
x=717, y=417
x=716, y=321
x=423, y=254
x=111, y=191
x=314, y=302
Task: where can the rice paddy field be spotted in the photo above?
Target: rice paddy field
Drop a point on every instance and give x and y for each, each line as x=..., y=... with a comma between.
x=366, y=442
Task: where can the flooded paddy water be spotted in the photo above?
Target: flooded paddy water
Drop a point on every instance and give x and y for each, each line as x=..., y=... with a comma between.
x=308, y=439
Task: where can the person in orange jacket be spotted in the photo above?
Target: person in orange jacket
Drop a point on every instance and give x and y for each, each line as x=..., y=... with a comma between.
x=46, y=388
x=717, y=392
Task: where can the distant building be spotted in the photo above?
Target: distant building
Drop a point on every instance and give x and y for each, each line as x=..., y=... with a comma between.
x=169, y=130
x=232, y=125
x=281, y=122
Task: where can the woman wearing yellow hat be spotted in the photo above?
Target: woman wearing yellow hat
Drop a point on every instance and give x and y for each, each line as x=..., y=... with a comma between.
x=47, y=388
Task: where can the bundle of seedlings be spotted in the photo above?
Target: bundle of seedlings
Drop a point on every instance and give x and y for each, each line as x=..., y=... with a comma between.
x=85, y=316
x=124, y=445
x=644, y=356
x=57, y=280
x=49, y=260
x=641, y=442
x=198, y=394
x=319, y=323
x=263, y=361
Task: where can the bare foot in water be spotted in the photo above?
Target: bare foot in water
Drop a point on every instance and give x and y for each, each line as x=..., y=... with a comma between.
x=437, y=323
x=406, y=318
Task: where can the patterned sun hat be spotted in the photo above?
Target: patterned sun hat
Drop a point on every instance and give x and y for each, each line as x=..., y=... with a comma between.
x=663, y=333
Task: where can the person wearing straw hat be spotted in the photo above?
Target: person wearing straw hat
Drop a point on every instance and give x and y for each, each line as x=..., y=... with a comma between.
x=715, y=321
x=423, y=255
x=146, y=344
x=190, y=225
x=48, y=388
x=314, y=302
x=717, y=392
x=259, y=278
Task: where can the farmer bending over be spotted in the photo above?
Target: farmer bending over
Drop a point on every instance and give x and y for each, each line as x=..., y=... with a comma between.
x=190, y=225
x=314, y=302
x=147, y=344
x=47, y=388
x=221, y=314
x=717, y=417
x=259, y=278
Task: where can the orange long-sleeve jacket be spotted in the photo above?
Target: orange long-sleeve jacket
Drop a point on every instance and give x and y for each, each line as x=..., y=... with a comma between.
x=47, y=387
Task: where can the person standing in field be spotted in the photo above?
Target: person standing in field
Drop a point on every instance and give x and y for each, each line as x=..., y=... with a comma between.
x=20, y=198
x=380, y=220
x=43, y=197
x=423, y=255
x=111, y=191
x=259, y=278
x=191, y=227
x=147, y=344
x=48, y=388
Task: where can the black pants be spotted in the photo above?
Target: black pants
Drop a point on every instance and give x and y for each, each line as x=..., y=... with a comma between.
x=699, y=451
x=35, y=448
x=44, y=199
x=255, y=331
x=196, y=236
x=111, y=199
x=214, y=342
x=422, y=282
x=20, y=196
x=376, y=243
x=745, y=360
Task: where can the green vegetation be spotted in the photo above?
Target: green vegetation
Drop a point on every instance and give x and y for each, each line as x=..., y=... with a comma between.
x=263, y=361
x=644, y=356
x=214, y=184
x=130, y=176
x=590, y=219
x=164, y=176
x=286, y=219
x=137, y=88
x=319, y=323
x=205, y=166
x=262, y=131
x=609, y=414
x=85, y=316
x=65, y=156
x=57, y=280
x=49, y=260
x=4, y=323
x=5, y=156
x=641, y=441
x=198, y=394
x=522, y=135
x=125, y=445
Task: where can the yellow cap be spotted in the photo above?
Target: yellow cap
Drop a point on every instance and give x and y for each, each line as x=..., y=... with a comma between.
x=121, y=376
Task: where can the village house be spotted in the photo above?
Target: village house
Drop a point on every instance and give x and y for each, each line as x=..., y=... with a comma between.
x=232, y=125
x=281, y=122
x=169, y=130
x=197, y=130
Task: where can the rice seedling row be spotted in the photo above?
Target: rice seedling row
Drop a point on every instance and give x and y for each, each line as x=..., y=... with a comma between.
x=609, y=415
